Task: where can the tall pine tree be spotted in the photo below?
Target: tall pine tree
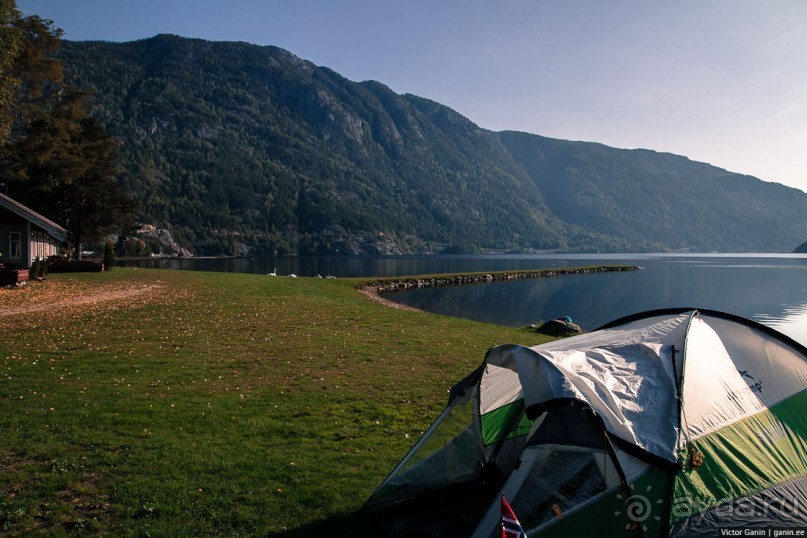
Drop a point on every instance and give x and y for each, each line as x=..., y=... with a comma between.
x=65, y=166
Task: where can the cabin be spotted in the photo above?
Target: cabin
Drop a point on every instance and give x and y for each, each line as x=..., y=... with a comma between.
x=25, y=235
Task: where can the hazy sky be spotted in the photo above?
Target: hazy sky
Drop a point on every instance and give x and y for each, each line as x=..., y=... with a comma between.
x=719, y=81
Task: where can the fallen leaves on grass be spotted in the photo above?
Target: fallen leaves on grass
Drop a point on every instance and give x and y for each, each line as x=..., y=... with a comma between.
x=73, y=296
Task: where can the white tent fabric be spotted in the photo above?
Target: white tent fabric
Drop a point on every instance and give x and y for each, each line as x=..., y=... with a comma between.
x=715, y=393
x=632, y=388
x=500, y=386
x=730, y=376
x=628, y=377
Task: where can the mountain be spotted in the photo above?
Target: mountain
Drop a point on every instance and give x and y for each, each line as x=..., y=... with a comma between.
x=242, y=149
x=642, y=195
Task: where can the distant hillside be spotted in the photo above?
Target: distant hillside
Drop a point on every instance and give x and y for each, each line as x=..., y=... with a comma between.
x=241, y=149
x=642, y=195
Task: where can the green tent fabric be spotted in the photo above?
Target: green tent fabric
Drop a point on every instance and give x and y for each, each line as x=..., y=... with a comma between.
x=676, y=422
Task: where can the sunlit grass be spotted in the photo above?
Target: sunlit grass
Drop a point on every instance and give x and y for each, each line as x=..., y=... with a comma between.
x=212, y=403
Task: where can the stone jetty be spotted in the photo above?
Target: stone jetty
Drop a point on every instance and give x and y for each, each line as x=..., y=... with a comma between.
x=393, y=284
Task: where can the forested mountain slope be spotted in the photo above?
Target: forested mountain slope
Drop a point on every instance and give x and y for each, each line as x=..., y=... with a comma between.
x=240, y=149
x=644, y=195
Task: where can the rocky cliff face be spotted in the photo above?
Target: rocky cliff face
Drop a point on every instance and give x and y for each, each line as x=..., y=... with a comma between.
x=147, y=240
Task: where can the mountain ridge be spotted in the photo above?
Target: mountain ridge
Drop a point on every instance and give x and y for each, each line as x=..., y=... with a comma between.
x=247, y=149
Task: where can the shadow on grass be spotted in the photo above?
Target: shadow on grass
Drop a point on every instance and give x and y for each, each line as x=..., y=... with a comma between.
x=358, y=524
x=450, y=512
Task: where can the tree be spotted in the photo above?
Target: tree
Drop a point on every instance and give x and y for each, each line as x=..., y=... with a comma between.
x=59, y=158
x=66, y=162
x=29, y=74
x=95, y=201
x=10, y=41
x=109, y=255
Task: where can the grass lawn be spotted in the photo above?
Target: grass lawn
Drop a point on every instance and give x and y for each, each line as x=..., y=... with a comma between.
x=190, y=403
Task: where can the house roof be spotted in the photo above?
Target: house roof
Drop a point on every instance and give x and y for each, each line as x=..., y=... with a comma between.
x=32, y=216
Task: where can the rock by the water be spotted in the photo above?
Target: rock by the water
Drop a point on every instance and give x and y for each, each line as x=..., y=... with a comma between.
x=563, y=326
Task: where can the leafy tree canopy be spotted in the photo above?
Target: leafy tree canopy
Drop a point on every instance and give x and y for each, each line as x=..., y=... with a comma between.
x=10, y=40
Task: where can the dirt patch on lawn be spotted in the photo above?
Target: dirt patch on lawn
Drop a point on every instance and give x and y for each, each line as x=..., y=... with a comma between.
x=75, y=296
x=372, y=294
x=79, y=505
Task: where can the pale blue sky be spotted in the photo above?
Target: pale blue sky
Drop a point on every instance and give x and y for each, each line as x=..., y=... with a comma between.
x=719, y=81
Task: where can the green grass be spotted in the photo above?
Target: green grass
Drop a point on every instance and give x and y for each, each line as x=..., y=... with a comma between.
x=228, y=405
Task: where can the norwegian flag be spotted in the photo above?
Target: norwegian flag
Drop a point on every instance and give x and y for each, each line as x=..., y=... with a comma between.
x=511, y=528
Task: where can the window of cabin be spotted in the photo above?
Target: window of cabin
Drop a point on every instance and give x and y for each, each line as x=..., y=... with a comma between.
x=15, y=245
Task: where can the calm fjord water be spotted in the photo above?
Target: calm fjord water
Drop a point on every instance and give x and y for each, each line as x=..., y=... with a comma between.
x=768, y=288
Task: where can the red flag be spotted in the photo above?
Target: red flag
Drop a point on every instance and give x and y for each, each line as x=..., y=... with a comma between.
x=511, y=528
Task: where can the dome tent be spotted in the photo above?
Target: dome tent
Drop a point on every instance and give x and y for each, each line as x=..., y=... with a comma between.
x=674, y=422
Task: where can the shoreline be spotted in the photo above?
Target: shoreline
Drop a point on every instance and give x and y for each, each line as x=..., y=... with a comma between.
x=374, y=296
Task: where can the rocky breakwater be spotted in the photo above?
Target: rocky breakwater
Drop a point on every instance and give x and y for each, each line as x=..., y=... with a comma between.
x=388, y=285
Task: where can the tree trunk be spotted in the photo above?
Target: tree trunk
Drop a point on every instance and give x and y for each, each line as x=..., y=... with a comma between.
x=77, y=240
